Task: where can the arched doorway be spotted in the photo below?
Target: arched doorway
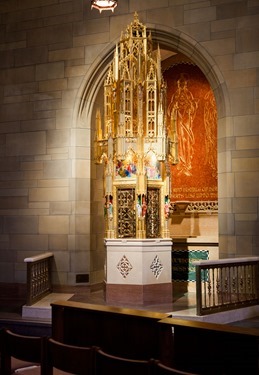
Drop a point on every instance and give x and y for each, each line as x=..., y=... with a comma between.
x=91, y=96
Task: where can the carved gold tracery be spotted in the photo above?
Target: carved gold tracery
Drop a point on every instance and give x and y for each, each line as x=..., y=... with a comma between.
x=132, y=141
x=126, y=213
x=153, y=213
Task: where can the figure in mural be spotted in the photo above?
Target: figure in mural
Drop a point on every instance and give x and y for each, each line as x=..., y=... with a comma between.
x=182, y=111
x=127, y=167
x=141, y=211
x=139, y=208
x=108, y=207
x=167, y=207
x=108, y=212
x=144, y=206
x=210, y=123
x=152, y=166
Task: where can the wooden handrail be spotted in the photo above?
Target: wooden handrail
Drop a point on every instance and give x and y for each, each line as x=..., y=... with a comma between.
x=38, y=277
x=208, y=326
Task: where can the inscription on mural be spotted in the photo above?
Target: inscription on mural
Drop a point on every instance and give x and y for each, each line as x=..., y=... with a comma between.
x=196, y=193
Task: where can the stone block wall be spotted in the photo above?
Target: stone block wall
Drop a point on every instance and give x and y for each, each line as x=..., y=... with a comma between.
x=53, y=57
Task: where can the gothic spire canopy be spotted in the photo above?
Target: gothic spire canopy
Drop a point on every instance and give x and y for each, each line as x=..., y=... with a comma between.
x=131, y=138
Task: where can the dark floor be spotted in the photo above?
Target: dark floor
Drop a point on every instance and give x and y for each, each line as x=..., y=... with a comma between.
x=247, y=323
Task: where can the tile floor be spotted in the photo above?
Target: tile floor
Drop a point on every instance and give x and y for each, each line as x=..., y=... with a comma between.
x=183, y=306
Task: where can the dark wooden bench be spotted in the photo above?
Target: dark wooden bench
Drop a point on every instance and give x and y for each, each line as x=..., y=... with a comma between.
x=118, y=331
x=107, y=364
x=210, y=348
x=190, y=346
x=20, y=351
x=69, y=358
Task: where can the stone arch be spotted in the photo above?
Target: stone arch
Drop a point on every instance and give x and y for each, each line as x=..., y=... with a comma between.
x=167, y=38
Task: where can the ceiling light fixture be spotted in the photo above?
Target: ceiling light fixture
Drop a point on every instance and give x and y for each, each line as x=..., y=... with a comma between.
x=104, y=5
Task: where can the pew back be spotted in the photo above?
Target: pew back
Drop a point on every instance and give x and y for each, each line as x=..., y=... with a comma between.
x=118, y=331
x=215, y=349
x=107, y=364
x=68, y=358
x=21, y=351
x=161, y=369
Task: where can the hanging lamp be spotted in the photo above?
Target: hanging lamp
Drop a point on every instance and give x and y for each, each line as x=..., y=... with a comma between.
x=104, y=5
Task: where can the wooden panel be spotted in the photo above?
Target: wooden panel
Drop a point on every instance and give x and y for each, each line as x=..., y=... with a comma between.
x=123, y=332
x=214, y=349
x=193, y=346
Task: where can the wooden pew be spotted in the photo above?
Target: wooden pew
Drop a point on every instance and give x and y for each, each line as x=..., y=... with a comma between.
x=160, y=369
x=118, y=331
x=214, y=349
x=20, y=351
x=190, y=346
x=69, y=358
x=107, y=364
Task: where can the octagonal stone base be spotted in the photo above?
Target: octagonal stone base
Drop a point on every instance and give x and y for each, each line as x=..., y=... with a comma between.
x=138, y=270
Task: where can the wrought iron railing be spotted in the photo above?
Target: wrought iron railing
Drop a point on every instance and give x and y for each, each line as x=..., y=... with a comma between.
x=38, y=277
x=226, y=284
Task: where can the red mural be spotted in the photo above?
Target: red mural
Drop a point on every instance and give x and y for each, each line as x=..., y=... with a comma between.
x=192, y=119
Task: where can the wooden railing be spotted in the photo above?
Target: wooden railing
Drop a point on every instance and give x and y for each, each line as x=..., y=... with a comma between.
x=226, y=284
x=38, y=277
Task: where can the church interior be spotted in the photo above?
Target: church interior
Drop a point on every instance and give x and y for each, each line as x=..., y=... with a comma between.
x=129, y=180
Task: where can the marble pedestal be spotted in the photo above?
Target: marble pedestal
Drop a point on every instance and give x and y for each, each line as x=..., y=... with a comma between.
x=138, y=271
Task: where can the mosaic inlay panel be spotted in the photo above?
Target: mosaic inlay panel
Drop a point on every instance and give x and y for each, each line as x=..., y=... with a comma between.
x=156, y=267
x=124, y=266
x=183, y=268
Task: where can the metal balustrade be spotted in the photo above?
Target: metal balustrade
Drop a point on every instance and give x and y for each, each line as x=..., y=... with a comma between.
x=226, y=284
x=38, y=277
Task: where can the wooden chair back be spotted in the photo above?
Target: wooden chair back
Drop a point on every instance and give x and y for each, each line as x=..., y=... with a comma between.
x=160, y=369
x=107, y=364
x=69, y=358
x=1, y=349
x=20, y=351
